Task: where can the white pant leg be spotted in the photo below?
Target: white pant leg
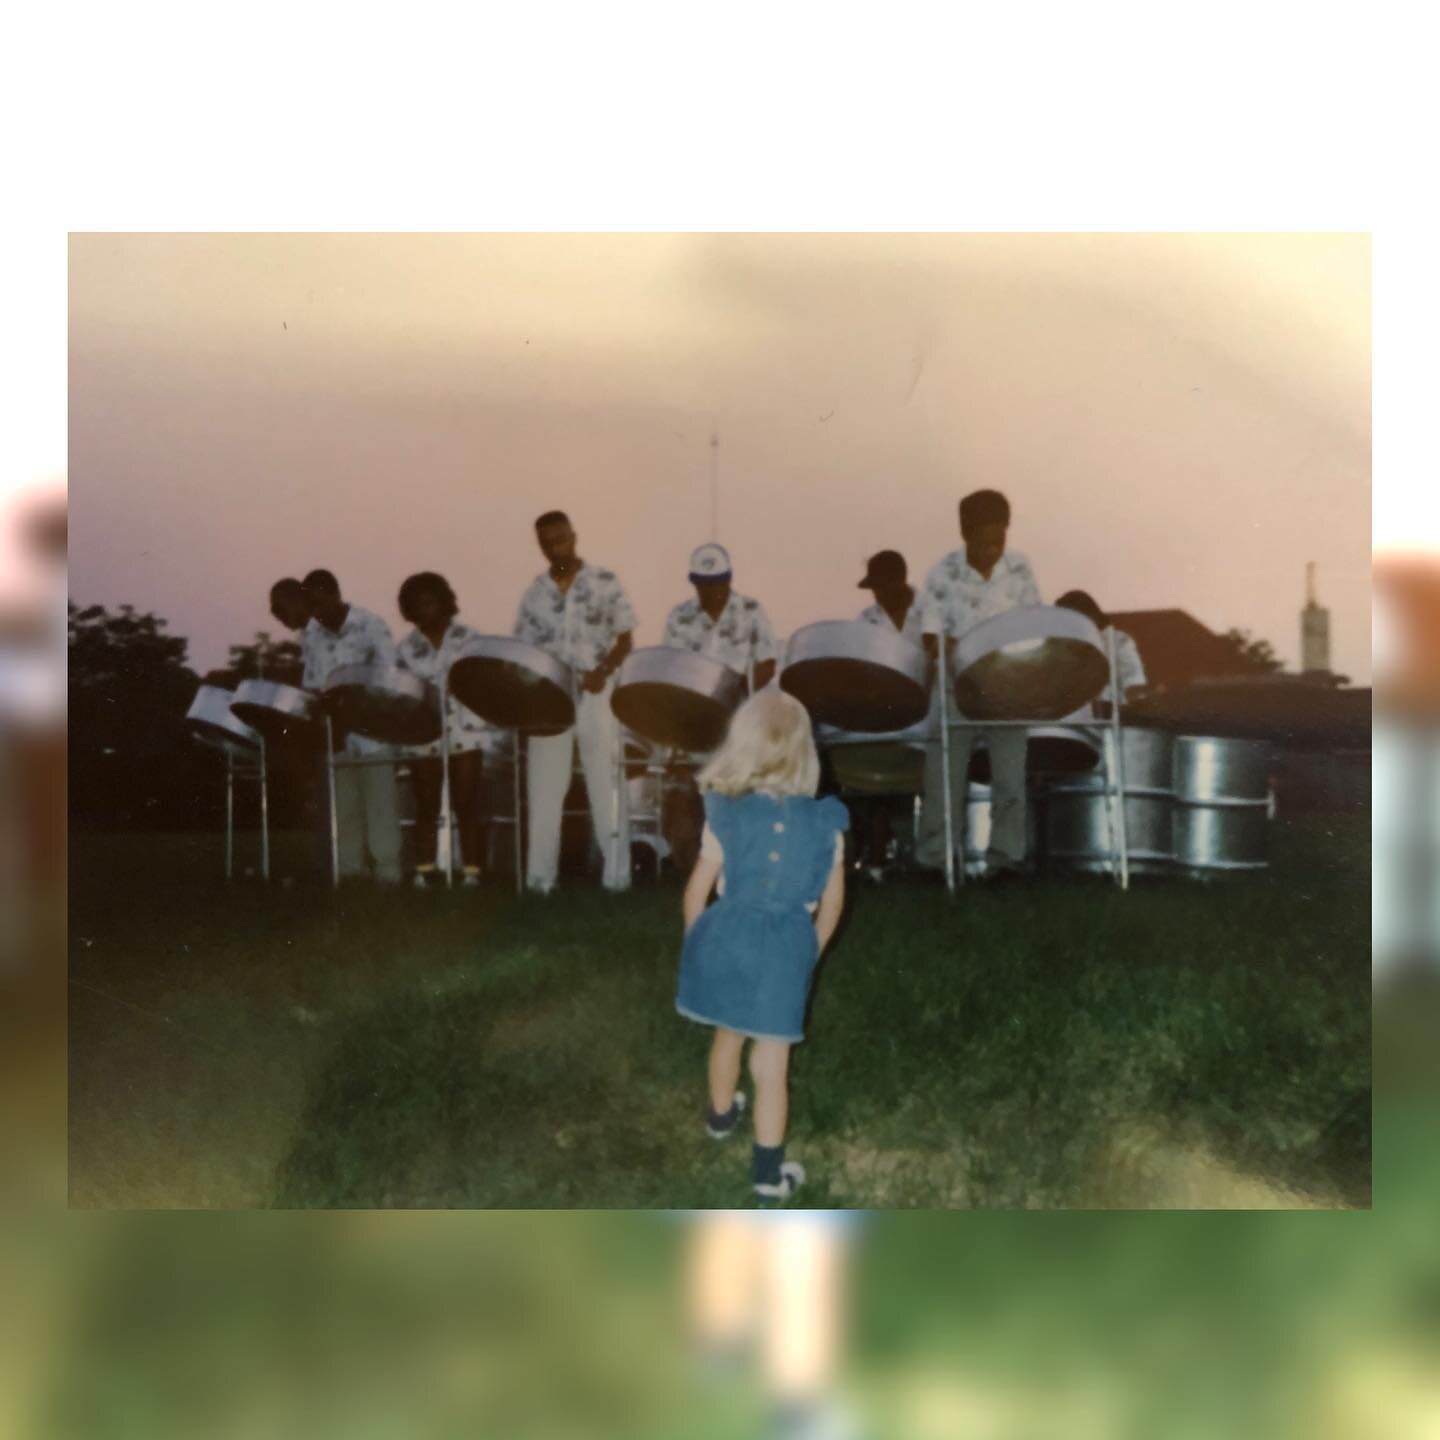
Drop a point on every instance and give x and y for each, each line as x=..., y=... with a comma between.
x=599, y=735
x=550, y=760
x=382, y=821
x=349, y=819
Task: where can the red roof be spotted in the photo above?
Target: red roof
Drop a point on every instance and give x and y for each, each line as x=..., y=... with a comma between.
x=1176, y=648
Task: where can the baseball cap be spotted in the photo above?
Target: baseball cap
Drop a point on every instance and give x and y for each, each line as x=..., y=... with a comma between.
x=709, y=562
x=884, y=567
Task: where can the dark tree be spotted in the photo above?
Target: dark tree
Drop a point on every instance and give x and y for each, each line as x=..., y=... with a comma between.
x=133, y=763
x=1256, y=655
x=267, y=659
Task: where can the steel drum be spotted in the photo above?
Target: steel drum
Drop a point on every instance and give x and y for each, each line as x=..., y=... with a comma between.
x=1072, y=749
x=214, y=723
x=677, y=698
x=1039, y=662
x=1222, y=792
x=856, y=676
x=876, y=764
x=383, y=702
x=1211, y=771
x=279, y=712
x=1076, y=829
x=514, y=685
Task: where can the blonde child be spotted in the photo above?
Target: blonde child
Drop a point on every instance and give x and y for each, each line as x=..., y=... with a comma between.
x=776, y=855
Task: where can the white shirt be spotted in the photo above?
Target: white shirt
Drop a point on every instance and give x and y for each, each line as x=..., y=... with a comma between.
x=1130, y=669
x=877, y=614
x=741, y=635
x=956, y=597
x=578, y=626
x=363, y=639
x=467, y=730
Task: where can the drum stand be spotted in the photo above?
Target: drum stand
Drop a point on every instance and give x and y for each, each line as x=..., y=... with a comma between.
x=259, y=773
x=1114, y=771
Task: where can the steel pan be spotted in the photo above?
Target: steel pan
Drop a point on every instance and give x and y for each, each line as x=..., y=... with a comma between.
x=862, y=763
x=675, y=697
x=514, y=685
x=1035, y=663
x=383, y=702
x=1076, y=829
x=1219, y=772
x=1049, y=750
x=214, y=723
x=279, y=712
x=856, y=676
x=1148, y=757
x=1221, y=837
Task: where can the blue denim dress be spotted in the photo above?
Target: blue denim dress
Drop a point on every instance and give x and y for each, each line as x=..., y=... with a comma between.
x=748, y=960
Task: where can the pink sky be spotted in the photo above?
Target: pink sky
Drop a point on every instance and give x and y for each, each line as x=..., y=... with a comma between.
x=1178, y=420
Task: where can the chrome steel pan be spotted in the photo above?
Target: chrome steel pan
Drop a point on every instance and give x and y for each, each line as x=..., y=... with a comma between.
x=675, y=697
x=1076, y=829
x=856, y=676
x=283, y=713
x=1035, y=663
x=514, y=685
x=1220, y=837
x=383, y=702
x=1051, y=750
x=1148, y=757
x=1212, y=771
x=214, y=723
x=867, y=763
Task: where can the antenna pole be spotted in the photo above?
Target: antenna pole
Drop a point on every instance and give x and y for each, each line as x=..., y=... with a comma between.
x=714, y=481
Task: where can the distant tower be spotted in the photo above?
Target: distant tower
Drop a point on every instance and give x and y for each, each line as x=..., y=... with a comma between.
x=1314, y=629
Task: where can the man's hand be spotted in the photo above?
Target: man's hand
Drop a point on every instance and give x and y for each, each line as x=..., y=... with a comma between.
x=594, y=681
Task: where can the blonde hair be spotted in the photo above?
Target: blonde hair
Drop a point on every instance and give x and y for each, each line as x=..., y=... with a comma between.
x=769, y=747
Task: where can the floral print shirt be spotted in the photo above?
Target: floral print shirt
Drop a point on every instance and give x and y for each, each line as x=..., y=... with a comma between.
x=578, y=626
x=467, y=730
x=877, y=614
x=364, y=639
x=956, y=597
x=742, y=633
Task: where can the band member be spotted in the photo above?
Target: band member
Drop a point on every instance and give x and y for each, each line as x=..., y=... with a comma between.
x=1129, y=669
x=340, y=633
x=895, y=602
x=428, y=602
x=894, y=609
x=579, y=614
x=980, y=580
x=723, y=625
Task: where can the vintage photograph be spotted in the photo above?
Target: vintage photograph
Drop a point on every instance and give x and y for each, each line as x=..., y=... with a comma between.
x=719, y=721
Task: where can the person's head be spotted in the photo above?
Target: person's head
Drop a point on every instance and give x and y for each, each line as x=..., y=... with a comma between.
x=556, y=537
x=984, y=520
x=710, y=575
x=769, y=747
x=887, y=577
x=427, y=601
x=289, y=603
x=322, y=590
x=1084, y=604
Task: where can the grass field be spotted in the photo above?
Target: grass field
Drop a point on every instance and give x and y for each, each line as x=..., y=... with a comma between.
x=243, y=1046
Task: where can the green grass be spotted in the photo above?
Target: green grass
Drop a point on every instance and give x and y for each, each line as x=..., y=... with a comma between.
x=242, y=1046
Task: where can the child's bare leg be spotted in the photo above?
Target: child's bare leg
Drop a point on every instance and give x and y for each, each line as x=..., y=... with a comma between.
x=723, y=1258
x=724, y=1068
x=769, y=1068
x=805, y=1266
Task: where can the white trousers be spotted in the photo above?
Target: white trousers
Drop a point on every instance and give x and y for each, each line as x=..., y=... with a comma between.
x=552, y=762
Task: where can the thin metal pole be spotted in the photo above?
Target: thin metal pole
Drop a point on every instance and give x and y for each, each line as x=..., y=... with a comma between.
x=229, y=815
x=448, y=828
x=334, y=817
x=1120, y=834
x=516, y=749
x=714, y=482
x=264, y=813
x=944, y=683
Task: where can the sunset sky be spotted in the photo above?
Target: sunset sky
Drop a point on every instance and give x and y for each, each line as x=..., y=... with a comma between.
x=1178, y=420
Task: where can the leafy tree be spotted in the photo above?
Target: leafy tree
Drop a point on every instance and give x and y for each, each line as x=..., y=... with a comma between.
x=267, y=659
x=1256, y=655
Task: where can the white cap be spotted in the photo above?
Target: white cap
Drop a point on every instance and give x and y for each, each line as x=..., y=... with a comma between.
x=709, y=562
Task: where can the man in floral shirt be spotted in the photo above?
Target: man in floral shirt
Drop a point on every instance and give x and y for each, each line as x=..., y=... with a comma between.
x=974, y=583
x=579, y=614
x=723, y=625
x=366, y=817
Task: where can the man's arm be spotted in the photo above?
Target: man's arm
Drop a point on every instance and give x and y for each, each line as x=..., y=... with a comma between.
x=594, y=680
